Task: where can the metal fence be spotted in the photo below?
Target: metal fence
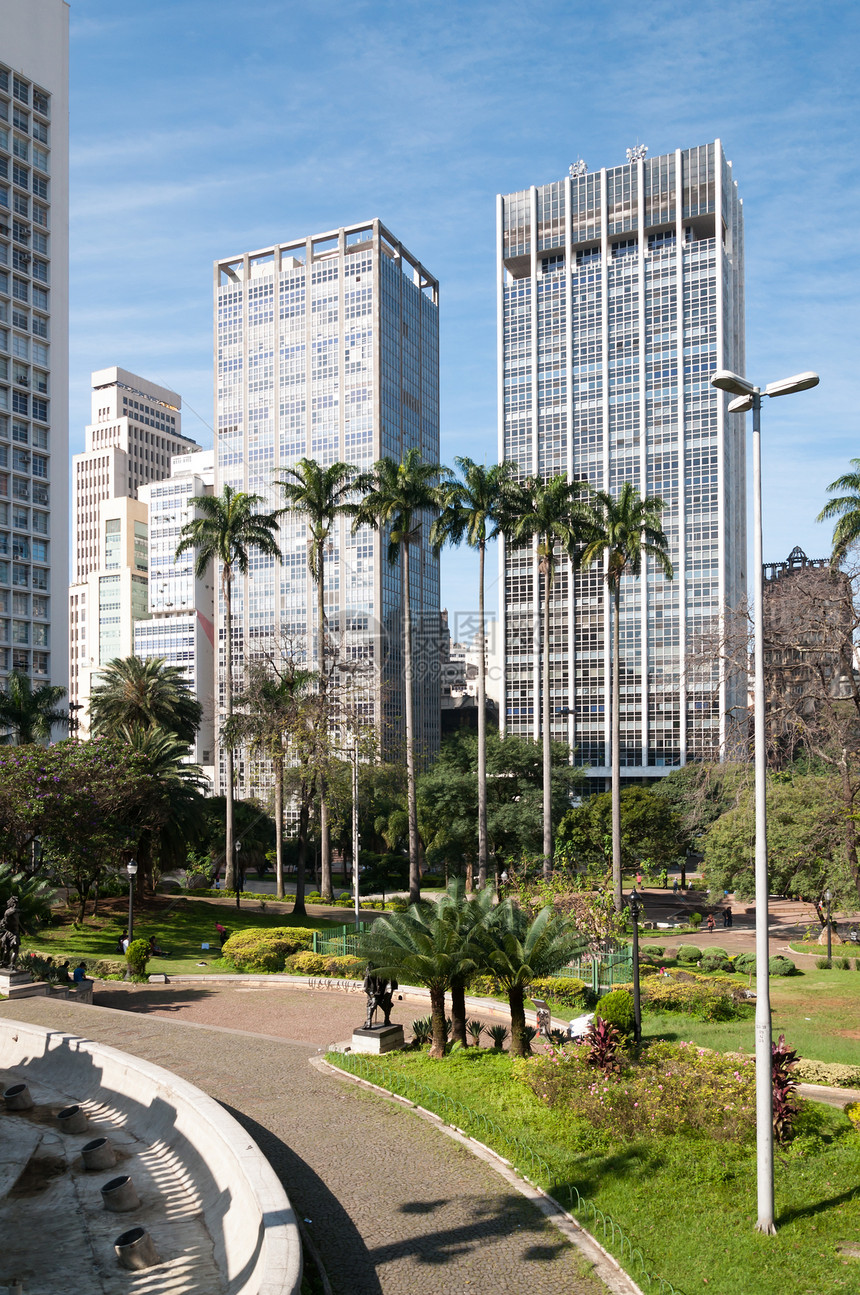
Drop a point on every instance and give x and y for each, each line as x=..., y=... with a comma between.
x=604, y=970
x=340, y=944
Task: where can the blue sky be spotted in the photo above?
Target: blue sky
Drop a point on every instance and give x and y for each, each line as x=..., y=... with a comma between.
x=201, y=130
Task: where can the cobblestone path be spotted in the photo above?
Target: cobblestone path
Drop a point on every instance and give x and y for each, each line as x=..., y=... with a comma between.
x=394, y=1207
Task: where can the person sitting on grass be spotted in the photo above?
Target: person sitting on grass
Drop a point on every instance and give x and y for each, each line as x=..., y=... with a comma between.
x=154, y=950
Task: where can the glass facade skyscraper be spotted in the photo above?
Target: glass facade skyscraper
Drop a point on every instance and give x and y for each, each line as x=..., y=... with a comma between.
x=619, y=293
x=327, y=347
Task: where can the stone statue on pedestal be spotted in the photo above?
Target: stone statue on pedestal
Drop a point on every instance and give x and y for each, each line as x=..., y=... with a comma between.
x=10, y=935
x=380, y=994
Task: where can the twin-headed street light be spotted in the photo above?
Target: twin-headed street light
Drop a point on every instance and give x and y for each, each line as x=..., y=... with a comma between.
x=748, y=396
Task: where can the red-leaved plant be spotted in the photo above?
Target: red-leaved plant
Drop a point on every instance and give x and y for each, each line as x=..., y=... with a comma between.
x=784, y=1087
x=603, y=1040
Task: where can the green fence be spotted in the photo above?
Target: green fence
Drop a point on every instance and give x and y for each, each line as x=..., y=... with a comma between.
x=343, y=944
x=603, y=971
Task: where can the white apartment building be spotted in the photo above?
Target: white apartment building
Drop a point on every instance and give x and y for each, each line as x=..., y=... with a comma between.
x=619, y=292
x=180, y=627
x=327, y=347
x=34, y=339
x=136, y=430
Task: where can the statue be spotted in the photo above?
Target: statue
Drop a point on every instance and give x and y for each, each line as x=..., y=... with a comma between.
x=380, y=995
x=10, y=935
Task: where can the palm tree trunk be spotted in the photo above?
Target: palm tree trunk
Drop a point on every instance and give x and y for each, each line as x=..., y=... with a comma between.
x=616, y=748
x=458, y=1011
x=279, y=826
x=412, y=801
x=325, y=839
x=437, y=1016
x=516, y=1001
x=482, y=727
x=547, y=756
x=304, y=815
x=229, y=852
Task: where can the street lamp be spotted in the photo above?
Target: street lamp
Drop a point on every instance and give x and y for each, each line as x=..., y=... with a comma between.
x=131, y=869
x=356, y=840
x=748, y=396
x=238, y=878
x=637, y=1009
x=828, y=896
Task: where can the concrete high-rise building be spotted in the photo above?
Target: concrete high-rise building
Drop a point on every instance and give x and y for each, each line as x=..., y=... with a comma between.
x=327, y=347
x=136, y=430
x=619, y=293
x=181, y=606
x=34, y=337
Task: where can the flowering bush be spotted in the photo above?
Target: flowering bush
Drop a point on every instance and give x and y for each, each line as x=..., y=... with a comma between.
x=675, y=1088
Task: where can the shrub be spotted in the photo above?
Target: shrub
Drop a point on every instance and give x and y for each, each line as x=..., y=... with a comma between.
x=706, y=1000
x=715, y=960
x=344, y=968
x=785, y=1108
x=852, y=1110
x=422, y=1031
x=654, y=950
x=137, y=956
x=745, y=963
x=616, y=1008
x=696, y=919
x=568, y=990
x=835, y=1074
x=475, y=1029
x=108, y=968
x=602, y=1039
x=823, y=964
x=498, y=1033
x=313, y=898
x=781, y=966
x=842, y=964
x=688, y=953
x=397, y=905
x=306, y=964
x=265, y=949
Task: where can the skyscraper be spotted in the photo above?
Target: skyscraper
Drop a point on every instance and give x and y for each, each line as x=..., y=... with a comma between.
x=34, y=337
x=327, y=347
x=136, y=430
x=619, y=292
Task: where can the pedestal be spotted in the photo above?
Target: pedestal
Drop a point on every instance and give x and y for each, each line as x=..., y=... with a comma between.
x=378, y=1039
x=20, y=984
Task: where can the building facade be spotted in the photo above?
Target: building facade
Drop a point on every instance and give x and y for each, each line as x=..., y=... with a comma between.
x=619, y=292
x=180, y=627
x=327, y=347
x=136, y=430
x=34, y=338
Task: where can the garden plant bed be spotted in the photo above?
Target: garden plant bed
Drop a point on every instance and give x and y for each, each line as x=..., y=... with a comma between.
x=688, y=1202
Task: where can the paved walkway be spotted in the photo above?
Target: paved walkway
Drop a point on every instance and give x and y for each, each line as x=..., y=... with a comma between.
x=392, y=1206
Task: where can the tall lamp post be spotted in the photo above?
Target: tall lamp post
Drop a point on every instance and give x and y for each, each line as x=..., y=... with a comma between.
x=749, y=396
x=828, y=896
x=238, y=878
x=635, y=910
x=356, y=840
x=131, y=869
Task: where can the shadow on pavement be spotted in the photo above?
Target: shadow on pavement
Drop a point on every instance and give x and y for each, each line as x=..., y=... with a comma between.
x=149, y=1000
x=490, y=1219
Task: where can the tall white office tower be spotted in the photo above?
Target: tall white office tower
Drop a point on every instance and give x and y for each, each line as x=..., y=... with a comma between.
x=327, y=347
x=34, y=337
x=180, y=627
x=619, y=293
x=136, y=430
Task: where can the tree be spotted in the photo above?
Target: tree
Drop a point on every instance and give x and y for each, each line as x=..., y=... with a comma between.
x=171, y=819
x=519, y=949
x=399, y=497
x=320, y=495
x=146, y=695
x=230, y=528
x=469, y=917
x=28, y=715
x=548, y=515
x=265, y=714
x=309, y=752
x=846, y=509
x=651, y=833
x=623, y=530
x=475, y=509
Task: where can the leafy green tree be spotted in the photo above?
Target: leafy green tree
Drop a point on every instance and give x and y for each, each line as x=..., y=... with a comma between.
x=149, y=694
x=309, y=751
x=624, y=530
x=549, y=516
x=34, y=897
x=476, y=510
x=518, y=949
x=401, y=498
x=171, y=821
x=321, y=495
x=28, y=715
x=253, y=825
x=264, y=716
x=651, y=832
x=230, y=529
x=845, y=508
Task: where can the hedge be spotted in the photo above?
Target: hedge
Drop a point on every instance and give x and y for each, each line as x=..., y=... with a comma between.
x=266, y=949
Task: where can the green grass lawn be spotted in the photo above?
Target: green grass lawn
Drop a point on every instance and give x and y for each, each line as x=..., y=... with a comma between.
x=180, y=928
x=688, y=1204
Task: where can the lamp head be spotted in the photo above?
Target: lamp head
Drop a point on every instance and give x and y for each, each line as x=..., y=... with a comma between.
x=787, y=386
x=131, y=868
x=827, y=895
x=741, y=404
x=725, y=380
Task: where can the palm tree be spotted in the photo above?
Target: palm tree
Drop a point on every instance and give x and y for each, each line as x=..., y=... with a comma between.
x=146, y=694
x=548, y=514
x=264, y=717
x=847, y=509
x=469, y=917
x=28, y=715
x=474, y=509
x=623, y=531
x=321, y=495
x=520, y=949
x=231, y=526
x=172, y=817
x=397, y=496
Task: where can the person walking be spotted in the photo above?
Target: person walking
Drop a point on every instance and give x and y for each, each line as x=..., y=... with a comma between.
x=712, y=926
